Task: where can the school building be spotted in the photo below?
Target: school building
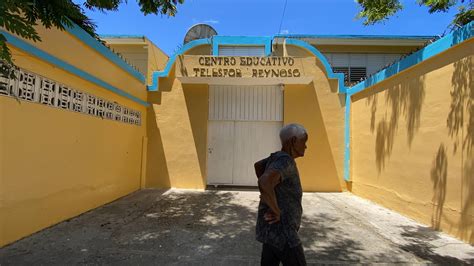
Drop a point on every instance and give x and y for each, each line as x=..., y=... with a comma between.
x=389, y=118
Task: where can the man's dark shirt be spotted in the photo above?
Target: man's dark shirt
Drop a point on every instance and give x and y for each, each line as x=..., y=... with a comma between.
x=288, y=193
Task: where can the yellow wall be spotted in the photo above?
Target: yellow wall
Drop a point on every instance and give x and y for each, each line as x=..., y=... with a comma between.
x=318, y=168
x=157, y=175
x=177, y=136
x=412, y=142
x=157, y=60
x=135, y=54
x=70, y=49
x=141, y=53
x=323, y=163
x=56, y=164
x=196, y=97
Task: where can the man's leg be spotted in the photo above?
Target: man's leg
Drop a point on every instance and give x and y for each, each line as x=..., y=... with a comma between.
x=294, y=256
x=270, y=256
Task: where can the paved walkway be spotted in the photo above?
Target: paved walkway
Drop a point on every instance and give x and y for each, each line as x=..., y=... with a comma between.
x=178, y=227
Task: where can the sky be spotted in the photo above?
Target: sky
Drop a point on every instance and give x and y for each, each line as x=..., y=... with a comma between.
x=263, y=18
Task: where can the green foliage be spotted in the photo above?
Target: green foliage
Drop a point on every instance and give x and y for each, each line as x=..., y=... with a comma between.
x=20, y=17
x=375, y=11
x=6, y=65
x=165, y=7
x=464, y=15
x=103, y=5
x=378, y=10
x=438, y=5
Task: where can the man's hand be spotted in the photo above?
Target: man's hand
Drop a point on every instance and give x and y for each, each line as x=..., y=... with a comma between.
x=271, y=218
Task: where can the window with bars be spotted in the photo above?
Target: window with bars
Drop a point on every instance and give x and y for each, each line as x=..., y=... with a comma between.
x=351, y=74
x=356, y=66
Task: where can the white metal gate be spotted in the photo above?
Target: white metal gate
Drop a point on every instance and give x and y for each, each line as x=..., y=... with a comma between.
x=244, y=122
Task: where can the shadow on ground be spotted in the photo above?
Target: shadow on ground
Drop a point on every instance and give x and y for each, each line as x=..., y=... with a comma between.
x=148, y=228
x=207, y=228
x=419, y=242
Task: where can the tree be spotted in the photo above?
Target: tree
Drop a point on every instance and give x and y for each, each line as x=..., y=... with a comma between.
x=374, y=11
x=20, y=17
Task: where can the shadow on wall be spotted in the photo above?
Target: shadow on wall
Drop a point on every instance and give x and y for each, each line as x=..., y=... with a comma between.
x=467, y=204
x=462, y=106
x=404, y=99
x=183, y=69
x=439, y=174
x=460, y=123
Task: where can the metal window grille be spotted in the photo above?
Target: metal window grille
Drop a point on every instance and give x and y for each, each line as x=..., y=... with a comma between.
x=358, y=66
x=344, y=70
x=351, y=74
x=356, y=74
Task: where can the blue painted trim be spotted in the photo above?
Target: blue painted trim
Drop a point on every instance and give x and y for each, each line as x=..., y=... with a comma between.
x=86, y=38
x=427, y=52
x=165, y=72
x=241, y=40
x=23, y=45
x=347, y=139
x=121, y=36
x=384, y=37
x=324, y=61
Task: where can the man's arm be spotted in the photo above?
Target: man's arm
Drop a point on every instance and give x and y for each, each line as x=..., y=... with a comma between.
x=260, y=167
x=267, y=183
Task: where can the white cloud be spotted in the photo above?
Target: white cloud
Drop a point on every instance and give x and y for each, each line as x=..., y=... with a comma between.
x=284, y=31
x=212, y=21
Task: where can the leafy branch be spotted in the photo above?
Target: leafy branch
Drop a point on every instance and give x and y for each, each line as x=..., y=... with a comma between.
x=21, y=16
x=376, y=11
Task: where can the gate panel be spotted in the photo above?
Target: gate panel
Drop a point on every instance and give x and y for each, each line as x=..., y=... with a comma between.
x=253, y=141
x=220, y=152
x=246, y=103
x=244, y=122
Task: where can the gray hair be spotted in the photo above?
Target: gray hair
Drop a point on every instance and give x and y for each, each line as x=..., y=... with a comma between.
x=292, y=130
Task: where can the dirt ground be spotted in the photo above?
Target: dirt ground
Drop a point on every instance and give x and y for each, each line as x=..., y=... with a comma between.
x=185, y=227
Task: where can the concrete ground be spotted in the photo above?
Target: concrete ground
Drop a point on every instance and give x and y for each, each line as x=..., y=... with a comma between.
x=180, y=227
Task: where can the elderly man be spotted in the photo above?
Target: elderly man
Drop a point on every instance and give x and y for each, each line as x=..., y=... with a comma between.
x=280, y=210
